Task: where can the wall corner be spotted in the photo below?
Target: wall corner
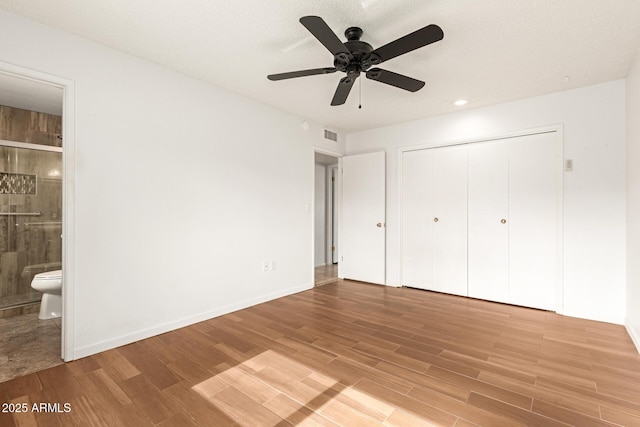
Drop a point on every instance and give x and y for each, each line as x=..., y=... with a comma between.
x=633, y=333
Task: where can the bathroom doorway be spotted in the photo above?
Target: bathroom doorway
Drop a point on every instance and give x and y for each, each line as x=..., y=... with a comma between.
x=31, y=215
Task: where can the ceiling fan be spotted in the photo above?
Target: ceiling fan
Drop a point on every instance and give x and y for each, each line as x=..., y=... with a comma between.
x=355, y=56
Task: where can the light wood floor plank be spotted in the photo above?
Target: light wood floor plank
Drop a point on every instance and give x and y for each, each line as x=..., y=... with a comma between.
x=350, y=354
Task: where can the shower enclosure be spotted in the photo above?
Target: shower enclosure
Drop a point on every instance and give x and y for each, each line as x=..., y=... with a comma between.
x=30, y=219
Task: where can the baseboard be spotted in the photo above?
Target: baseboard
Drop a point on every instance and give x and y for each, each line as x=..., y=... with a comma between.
x=170, y=326
x=633, y=333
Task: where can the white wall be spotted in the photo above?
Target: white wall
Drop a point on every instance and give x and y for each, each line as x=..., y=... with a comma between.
x=183, y=189
x=319, y=217
x=633, y=202
x=594, y=193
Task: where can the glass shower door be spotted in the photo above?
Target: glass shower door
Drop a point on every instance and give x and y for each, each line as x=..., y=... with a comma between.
x=30, y=220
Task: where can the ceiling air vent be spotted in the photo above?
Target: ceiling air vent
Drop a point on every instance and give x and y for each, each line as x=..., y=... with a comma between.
x=330, y=135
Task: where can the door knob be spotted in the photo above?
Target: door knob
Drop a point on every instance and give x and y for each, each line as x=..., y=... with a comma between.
x=503, y=221
x=379, y=225
x=435, y=219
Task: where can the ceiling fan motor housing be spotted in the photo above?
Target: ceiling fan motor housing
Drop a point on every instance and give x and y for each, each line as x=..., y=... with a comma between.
x=360, y=59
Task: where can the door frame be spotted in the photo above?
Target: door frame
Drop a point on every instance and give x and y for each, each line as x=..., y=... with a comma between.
x=559, y=130
x=332, y=214
x=68, y=195
x=313, y=207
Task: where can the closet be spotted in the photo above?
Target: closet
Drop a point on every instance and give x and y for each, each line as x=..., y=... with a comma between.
x=480, y=219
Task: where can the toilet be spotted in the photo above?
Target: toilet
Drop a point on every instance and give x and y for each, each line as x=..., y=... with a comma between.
x=50, y=284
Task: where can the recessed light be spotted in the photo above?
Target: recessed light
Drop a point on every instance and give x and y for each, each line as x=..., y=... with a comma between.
x=460, y=102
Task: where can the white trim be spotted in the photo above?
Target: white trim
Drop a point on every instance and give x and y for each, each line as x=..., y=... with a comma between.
x=559, y=130
x=327, y=152
x=68, y=195
x=635, y=335
x=340, y=222
x=399, y=173
x=327, y=215
x=523, y=132
x=186, y=321
x=332, y=213
x=30, y=146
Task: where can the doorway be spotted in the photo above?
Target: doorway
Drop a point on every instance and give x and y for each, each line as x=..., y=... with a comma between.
x=48, y=100
x=325, y=258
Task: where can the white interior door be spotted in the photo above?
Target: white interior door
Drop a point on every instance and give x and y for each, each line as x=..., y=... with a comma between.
x=417, y=219
x=488, y=234
x=533, y=161
x=450, y=219
x=362, y=251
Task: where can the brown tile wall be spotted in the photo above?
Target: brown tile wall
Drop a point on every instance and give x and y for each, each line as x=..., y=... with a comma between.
x=30, y=126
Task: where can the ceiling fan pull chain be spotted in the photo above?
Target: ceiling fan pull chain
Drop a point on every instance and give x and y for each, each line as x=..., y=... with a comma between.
x=360, y=95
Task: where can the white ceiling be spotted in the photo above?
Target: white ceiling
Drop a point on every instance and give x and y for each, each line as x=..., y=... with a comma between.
x=493, y=50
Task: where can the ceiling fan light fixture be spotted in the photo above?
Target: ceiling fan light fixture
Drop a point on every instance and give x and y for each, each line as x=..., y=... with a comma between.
x=460, y=102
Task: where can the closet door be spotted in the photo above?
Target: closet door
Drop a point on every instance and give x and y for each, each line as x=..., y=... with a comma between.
x=450, y=220
x=488, y=221
x=417, y=219
x=532, y=224
x=434, y=219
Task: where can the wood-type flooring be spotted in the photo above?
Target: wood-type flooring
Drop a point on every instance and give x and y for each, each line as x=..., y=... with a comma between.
x=325, y=274
x=350, y=354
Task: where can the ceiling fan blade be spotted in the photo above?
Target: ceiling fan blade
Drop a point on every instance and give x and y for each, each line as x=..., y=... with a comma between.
x=395, y=79
x=417, y=39
x=301, y=73
x=325, y=35
x=342, y=92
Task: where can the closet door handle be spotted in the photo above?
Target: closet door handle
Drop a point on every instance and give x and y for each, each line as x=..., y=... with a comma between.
x=435, y=219
x=503, y=221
